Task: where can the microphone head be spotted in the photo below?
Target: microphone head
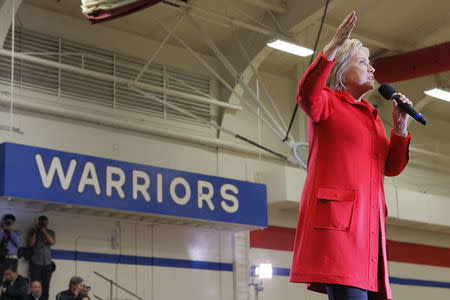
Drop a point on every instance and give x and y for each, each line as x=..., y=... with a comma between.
x=387, y=91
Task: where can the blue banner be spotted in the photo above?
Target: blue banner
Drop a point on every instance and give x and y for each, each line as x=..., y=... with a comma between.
x=63, y=177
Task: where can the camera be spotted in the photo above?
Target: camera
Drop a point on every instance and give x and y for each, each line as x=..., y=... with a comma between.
x=41, y=225
x=7, y=223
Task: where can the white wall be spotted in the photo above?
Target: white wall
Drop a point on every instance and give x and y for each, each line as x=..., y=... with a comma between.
x=95, y=234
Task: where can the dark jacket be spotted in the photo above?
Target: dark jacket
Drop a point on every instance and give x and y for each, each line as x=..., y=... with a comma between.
x=17, y=291
x=65, y=295
x=68, y=295
x=30, y=297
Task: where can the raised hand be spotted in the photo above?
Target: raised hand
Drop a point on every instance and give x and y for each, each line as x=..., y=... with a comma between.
x=341, y=36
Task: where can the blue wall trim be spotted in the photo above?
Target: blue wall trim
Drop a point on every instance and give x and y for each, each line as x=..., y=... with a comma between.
x=202, y=265
x=140, y=260
x=280, y=271
x=393, y=280
x=418, y=282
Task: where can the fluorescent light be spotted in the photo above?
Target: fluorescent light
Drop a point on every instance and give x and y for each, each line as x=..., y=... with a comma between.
x=290, y=48
x=438, y=93
x=264, y=271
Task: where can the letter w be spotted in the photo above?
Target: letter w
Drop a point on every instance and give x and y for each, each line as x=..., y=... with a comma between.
x=55, y=166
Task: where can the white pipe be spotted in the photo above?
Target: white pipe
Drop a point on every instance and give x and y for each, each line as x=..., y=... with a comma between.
x=161, y=45
x=145, y=86
x=259, y=80
x=259, y=116
x=113, y=121
x=232, y=70
x=13, y=28
x=183, y=111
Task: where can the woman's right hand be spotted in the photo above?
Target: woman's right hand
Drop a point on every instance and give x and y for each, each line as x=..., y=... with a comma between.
x=341, y=36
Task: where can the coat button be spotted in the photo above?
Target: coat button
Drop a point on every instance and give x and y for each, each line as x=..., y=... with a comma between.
x=375, y=156
x=375, y=181
x=373, y=233
x=373, y=260
x=373, y=131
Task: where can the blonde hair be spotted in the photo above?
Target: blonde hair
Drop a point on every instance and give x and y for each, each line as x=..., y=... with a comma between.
x=343, y=56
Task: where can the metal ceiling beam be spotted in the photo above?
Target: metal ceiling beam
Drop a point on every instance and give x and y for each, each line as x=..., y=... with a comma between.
x=372, y=41
x=301, y=13
x=234, y=73
x=419, y=105
x=299, y=16
x=217, y=18
x=277, y=7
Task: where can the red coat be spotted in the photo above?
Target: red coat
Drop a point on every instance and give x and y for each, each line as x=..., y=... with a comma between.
x=342, y=216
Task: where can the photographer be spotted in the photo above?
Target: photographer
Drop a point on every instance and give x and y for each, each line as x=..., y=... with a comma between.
x=10, y=240
x=76, y=290
x=41, y=239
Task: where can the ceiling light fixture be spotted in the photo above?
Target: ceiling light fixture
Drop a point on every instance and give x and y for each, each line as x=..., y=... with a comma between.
x=290, y=47
x=438, y=93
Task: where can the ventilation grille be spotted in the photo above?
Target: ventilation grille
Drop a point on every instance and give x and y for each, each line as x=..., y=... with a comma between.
x=82, y=88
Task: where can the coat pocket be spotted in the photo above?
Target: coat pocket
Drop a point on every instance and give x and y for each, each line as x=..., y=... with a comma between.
x=334, y=208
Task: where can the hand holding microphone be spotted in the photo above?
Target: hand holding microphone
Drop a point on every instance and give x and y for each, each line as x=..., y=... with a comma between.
x=389, y=93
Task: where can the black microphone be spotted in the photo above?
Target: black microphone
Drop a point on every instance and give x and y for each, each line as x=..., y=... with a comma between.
x=388, y=92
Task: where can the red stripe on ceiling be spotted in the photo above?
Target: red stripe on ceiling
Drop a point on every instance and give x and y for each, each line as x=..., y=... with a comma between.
x=282, y=238
x=413, y=64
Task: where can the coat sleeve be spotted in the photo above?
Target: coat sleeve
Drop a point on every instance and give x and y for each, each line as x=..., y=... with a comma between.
x=312, y=94
x=398, y=154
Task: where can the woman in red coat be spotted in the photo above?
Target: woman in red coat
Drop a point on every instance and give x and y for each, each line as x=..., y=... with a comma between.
x=340, y=244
